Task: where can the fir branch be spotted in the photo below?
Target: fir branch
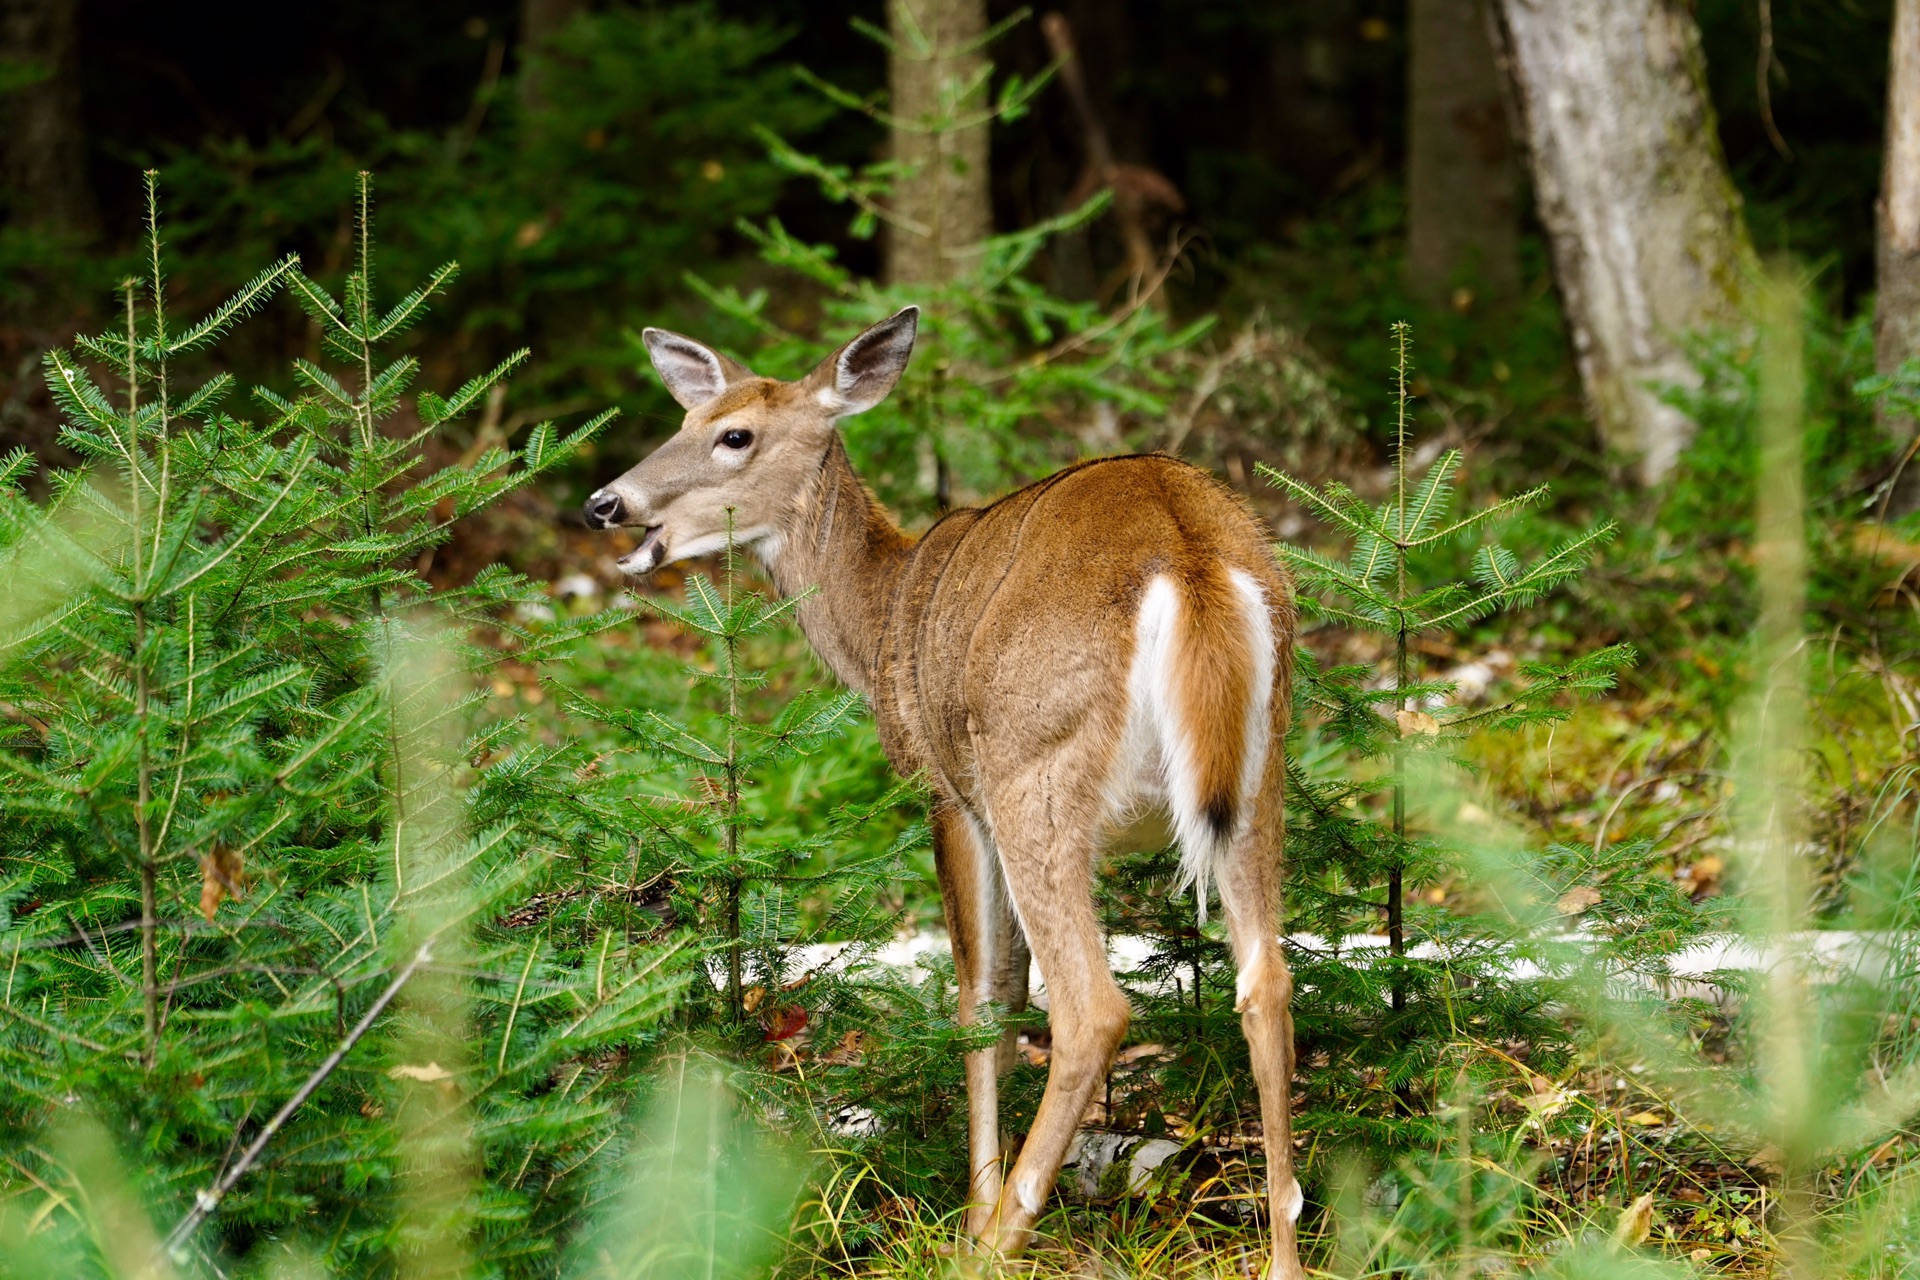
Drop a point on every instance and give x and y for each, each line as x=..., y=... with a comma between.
x=1331, y=508
x=249, y=299
x=1430, y=501
x=208, y=393
x=434, y=411
x=303, y=455
x=408, y=309
x=1499, y=510
x=1522, y=588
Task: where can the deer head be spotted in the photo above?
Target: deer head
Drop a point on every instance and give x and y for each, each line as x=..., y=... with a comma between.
x=748, y=444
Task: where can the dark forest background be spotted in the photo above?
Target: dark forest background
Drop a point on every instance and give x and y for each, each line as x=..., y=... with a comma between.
x=575, y=199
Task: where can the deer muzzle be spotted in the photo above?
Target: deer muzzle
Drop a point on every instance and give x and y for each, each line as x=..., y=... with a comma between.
x=649, y=555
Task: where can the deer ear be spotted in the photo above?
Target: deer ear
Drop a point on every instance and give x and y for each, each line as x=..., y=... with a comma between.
x=859, y=375
x=694, y=373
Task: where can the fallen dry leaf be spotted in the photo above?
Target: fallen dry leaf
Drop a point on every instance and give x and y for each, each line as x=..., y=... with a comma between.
x=1704, y=875
x=1416, y=722
x=785, y=1023
x=1636, y=1222
x=1879, y=543
x=1646, y=1119
x=848, y=1053
x=1546, y=1099
x=1577, y=899
x=222, y=875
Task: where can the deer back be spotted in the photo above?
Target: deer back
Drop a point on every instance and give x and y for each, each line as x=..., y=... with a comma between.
x=1013, y=627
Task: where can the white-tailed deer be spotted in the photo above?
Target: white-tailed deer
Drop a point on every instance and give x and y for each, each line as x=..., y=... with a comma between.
x=1112, y=638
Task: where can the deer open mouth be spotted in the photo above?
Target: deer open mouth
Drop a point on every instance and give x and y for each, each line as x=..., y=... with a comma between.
x=651, y=552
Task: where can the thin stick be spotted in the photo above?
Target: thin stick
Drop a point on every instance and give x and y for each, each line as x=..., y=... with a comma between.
x=205, y=1202
x=1762, y=78
x=1100, y=162
x=1396, y=890
x=735, y=999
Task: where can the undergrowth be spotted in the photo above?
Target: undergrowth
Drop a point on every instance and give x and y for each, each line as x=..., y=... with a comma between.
x=594, y=951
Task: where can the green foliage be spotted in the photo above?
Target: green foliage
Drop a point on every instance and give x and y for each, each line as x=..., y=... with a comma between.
x=239, y=796
x=886, y=1092
x=696, y=1189
x=1681, y=585
x=704, y=1192
x=1711, y=502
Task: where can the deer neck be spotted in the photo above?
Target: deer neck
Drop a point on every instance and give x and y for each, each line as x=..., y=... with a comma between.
x=844, y=554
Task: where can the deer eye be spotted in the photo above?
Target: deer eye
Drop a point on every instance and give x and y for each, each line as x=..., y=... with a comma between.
x=737, y=439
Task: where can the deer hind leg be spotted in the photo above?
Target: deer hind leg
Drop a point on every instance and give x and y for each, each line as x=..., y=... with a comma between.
x=1047, y=849
x=1249, y=874
x=985, y=948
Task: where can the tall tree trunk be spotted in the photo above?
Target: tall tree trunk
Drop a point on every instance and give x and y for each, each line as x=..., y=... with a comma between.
x=1896, y=313
x=539, y=21
x=1647, y=235
x=43, y=187
x=42, y=138
x=1463, y=220
x=943, y=200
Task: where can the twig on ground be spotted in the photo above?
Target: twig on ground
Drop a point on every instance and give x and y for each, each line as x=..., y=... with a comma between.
x=205, y=1202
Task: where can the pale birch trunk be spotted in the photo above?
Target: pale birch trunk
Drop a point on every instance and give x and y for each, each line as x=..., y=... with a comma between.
x=943, y=200
x=1896, y=313
x=1645, y=225
x=1463, y=222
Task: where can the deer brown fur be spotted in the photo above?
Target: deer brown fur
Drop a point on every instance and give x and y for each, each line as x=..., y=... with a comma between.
x=1112, y=638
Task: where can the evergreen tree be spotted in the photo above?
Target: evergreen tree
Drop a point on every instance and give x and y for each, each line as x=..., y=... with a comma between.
x=752, y=900
x=1390, y=1028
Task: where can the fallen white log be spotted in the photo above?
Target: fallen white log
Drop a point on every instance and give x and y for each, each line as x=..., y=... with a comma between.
x=1826, y=955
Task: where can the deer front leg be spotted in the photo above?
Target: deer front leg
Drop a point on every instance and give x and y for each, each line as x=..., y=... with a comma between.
x=981, y=927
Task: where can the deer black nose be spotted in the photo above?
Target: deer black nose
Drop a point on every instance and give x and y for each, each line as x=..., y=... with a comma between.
x=603, y=510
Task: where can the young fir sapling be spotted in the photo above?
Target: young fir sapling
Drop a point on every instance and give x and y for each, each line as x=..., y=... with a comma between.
x=209, y=801
x=743, y=892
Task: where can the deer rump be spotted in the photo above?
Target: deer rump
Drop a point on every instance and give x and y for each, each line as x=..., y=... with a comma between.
x=1121, y=622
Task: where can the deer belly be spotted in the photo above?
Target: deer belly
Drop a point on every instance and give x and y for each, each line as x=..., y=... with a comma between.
x=1148, y=827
